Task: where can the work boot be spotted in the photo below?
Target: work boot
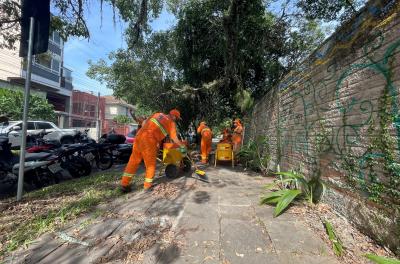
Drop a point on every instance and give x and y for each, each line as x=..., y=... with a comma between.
x=126, y=189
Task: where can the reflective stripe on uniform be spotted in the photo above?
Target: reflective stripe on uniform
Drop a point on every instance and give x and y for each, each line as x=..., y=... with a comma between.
x=148, y=180
x=155, y=121
x=205, y=129
x=130, y=175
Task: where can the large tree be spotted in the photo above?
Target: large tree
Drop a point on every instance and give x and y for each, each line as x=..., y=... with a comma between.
x=219, y=56
x=69, y=17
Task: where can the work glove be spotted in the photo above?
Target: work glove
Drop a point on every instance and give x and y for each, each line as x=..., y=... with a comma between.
x=183, y=150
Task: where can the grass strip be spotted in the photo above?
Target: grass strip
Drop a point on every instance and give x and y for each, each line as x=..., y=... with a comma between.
x=86, y=193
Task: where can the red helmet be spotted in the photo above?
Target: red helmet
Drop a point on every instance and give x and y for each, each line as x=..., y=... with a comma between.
x=176, y=113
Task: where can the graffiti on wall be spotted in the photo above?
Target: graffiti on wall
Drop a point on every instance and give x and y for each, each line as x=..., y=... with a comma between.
x=329, y=116
x=340, y=110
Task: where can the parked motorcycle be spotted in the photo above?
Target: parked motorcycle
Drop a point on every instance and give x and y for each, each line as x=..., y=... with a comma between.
x=41, y=169
x=39, y=144
x=97, y=154
x=83, y=137
x=70, y=159
x=121, y=151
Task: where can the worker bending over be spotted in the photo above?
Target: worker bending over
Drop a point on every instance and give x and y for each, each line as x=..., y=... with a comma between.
x=206, y=141
x=226, y=136
x=147, y=144
x=237, y=135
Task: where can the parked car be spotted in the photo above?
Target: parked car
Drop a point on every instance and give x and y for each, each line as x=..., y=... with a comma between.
x=13, y=128
x=130, y=137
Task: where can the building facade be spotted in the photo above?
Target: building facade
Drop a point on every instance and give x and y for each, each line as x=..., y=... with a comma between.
x=49, y=76
x=84, y=109
x=116, y=107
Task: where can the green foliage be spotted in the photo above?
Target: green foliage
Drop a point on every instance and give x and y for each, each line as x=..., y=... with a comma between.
x=219, y=57
x=255, y=155
x=285, y=200
x=11, y=104
x=122, y=119
x=244, y=101
x=329, y=10
x=381, y=260
x=337, y=244
x=291, y=185
x=226, y=123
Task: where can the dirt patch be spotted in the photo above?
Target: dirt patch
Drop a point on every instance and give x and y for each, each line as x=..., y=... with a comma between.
x=168, y=191
x=151, y=231
x=356, y=244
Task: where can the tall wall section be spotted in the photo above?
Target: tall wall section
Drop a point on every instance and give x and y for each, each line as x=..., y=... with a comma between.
x=338, y=116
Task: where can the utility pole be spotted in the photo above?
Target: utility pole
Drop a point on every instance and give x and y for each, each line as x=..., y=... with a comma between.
x=25, y=112
x=35, y=26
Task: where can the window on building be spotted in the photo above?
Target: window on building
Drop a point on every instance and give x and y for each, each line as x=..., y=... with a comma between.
x=113, y=110
x=56, y=37
x=91, y=109
x=83, y=123
x=44, y=60
x=55, y=65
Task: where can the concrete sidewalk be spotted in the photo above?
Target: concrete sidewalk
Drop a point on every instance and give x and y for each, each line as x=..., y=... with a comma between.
x=219, y=221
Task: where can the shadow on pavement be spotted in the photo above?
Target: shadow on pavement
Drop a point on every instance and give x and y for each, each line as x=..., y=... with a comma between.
x=201, y=197
x=168, y=254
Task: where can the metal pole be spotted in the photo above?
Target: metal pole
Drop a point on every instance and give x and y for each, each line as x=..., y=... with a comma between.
x=25, y=113
x=98, y=117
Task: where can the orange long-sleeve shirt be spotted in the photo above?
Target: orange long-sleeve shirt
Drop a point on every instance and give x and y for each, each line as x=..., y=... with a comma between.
x=167, y=126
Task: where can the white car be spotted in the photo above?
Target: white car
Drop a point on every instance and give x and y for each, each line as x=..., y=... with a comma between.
x=13, y=128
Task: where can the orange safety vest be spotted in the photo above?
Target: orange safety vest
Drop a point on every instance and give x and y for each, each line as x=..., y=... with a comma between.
x=160, y=125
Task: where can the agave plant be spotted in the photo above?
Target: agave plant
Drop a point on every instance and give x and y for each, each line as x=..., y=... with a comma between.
x=290, y=186
x=381, y=260
x=337, y=244
x=255, y=154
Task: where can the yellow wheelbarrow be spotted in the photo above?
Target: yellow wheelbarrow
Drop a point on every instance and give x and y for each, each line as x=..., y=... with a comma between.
x=224, y=152
x=174, y=162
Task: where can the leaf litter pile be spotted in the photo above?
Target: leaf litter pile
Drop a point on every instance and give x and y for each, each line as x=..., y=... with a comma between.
x=166, y=190
x=355, y=244
x=134, y=239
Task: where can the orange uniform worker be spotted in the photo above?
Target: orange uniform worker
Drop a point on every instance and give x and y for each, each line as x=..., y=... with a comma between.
x=146, y=146
x=226, y=136
x=206, y=141
x=237, y=135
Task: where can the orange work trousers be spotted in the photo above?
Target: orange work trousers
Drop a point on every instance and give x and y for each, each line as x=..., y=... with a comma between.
x=237, y=142
x=145, y=148
x=206, y=143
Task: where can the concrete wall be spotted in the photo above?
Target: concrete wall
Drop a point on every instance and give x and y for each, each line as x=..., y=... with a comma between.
x=337, y=116
x=10, y=64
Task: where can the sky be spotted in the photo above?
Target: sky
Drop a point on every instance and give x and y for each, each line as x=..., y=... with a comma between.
x=105, y=37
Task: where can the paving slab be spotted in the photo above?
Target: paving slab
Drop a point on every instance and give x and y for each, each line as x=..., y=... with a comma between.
x=219, y=221
x=39, y=250
x=243, y=239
